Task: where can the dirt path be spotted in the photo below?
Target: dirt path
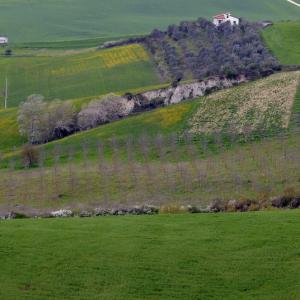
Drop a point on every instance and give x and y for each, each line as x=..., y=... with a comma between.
x=293, y=2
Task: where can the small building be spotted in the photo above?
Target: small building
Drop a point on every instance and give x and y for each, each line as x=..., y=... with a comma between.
x=3, y=40
x=225, y=17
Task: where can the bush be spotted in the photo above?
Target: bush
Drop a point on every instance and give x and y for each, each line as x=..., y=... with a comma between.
x=30, y=155
x=8, y=52
x=217, y=205
x=31, y=119
x=42, y=122
x=172, y=209
x=281, y=202
x=290, y=192
x=254, y=206
x=231, y=206
x=295, y=203
x=243, y=205
x=104, y=110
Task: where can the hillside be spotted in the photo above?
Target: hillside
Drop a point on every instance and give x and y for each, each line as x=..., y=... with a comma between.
x=228, y=256
x=199, y=49
x=9, y=131
x=261, y=111
x=255, y=102
x=176, y=149
x=158, y=170
x=28, y=21
x=283, y=39
x=146, y=161
x=74, y=74
x=262, y=105
x=190, y=50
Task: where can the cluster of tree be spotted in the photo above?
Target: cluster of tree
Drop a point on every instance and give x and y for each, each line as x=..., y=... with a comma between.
x=201, y=49
x=40, y=121
x=103, y=111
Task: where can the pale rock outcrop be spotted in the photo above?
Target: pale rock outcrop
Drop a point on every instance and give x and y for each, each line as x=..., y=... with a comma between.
x=181, y=92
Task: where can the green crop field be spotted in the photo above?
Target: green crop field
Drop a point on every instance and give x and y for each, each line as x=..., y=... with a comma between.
x=284, y=40
x=28, y=21
x=65, y=75
x=261, y=107
x=225, y=256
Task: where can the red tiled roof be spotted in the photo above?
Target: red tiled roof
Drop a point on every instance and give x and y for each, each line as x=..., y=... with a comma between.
x=220, y=17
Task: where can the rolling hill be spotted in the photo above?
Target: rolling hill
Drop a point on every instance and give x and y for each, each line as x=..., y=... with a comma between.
x=200, y=159
x=283, y=39
x=255, y=102
x=65, y=74
x=28, y=21
x=237, y=148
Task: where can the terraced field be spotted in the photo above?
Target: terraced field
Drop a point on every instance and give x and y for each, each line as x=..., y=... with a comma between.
x=28, y=21
x=65, y=75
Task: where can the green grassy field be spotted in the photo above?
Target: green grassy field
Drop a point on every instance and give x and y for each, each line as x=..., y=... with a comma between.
x=265, y=104
x=262, y=110
x=9, y=132
x=225, y=256
x=284, y=40
x=157, y=173
x=28, y=21
x=65, y=74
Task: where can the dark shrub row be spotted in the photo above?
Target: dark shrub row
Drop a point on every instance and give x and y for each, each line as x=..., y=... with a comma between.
x=202, y=49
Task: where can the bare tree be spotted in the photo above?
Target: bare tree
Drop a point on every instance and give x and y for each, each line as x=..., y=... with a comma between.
x=32, y=119
x=61, y=119
x=104, y=110
x=41, y=122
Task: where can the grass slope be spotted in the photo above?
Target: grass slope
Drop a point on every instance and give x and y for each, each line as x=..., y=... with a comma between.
x=284, y=40
x=65, y=75
x=225, y=256
x=181, y=174
x=54, y=20
x=295, y=118
x=265, y=104
x=268, y=106
x=9, y=132
x=222, y=107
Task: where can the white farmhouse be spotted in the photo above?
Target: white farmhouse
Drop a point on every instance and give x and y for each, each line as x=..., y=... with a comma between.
x=3, y=40
x=225, y=17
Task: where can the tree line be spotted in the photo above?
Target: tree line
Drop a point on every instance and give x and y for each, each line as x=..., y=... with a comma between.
x=200, y=49
x=41, y=121
x=152, y=169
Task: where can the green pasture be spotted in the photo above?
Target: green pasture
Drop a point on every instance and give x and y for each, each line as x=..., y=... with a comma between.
x=65, y=75
x=225, y=256
x=40, y=21
x=283, y=39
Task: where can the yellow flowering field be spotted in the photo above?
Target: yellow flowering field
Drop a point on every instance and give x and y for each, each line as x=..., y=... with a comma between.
x=85, y=74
